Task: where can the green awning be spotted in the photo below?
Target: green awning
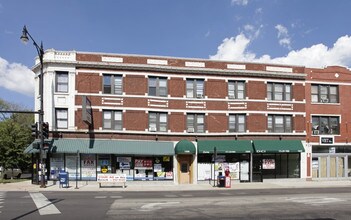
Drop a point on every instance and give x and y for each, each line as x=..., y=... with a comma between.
x=100, y=146
x=185, y=147
x=278, y=146
x=224, y=146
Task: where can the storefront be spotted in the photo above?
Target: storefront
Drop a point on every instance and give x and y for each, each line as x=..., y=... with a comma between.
x=331, y=161
x=216, y=156
x=274, y=159
x=83, y=159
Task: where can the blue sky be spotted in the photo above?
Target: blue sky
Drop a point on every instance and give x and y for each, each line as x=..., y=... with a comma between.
x=313, y=33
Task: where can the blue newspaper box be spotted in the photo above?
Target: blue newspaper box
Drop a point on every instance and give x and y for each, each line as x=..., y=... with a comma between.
x=63, y=178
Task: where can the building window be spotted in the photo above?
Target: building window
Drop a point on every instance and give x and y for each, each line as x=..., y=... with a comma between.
x=157, y=86
x=194, y=88
x=279, y=91
x=61, y=116
x=236, y=89
x=112, y=120
x=61, y=81
x=195, y=123
x=279, y=123
x=325, y=125
x=157, y=121
x=237, y=123
x=325, y=93
x=113, y=84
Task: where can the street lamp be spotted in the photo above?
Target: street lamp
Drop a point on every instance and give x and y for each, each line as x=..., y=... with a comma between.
x=24, y=38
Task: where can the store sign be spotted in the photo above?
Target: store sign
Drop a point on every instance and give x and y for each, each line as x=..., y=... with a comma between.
x=87, y=112
x=143, y=164
x=268, y=164
x=326, y=140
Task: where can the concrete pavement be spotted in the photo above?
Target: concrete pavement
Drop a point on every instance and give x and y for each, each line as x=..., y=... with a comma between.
x=170, y=186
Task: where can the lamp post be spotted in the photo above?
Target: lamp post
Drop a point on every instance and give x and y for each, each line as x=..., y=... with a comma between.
x=24, y=38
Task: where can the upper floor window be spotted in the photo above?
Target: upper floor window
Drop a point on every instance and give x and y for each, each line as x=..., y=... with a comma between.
x=195, y=123
x=61, y=118
x=325, y=93
x=195, y=88
x=279, y=91
x=61, y=81
x=157, y=86
x=112, y=120
x=113, y=84
x=236, y=89
x=237, y=123
x=279, y=123
x=157, y=121
x=325, y=125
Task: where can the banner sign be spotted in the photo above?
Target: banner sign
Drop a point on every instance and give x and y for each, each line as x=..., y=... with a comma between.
x=111, y=178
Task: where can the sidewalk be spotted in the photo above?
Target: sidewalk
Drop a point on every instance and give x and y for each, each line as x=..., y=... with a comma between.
x=169, y=186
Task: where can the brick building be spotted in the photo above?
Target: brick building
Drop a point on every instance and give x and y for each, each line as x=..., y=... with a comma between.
x=164, y=118
x=328, y=114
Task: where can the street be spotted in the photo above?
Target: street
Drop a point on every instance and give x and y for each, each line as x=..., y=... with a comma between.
x=316, y=203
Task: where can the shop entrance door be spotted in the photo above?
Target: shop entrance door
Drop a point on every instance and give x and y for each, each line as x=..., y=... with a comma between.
x=257, y=168
x=184, y=168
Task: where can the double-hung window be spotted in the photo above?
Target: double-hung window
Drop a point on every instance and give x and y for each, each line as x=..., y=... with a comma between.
x=158, y=121
x=195, y=123
x=279, y=123
x=325, y=125
x=279, y=91
x=194, y=88
x=61, y=81
x=112, y=120
x=237, y=123
x=236, y=89
x=113, y=84
x=325, y=93
x=157, y=86
x=61, y=118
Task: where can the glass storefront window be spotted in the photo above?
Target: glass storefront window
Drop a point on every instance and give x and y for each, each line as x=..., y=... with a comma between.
x=163, y=168
x=88, y=162
x=143, y=168
x=104, y=164
x=294, y=165
x=124, y=165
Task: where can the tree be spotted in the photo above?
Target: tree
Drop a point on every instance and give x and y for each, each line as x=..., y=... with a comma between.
x=15, y=136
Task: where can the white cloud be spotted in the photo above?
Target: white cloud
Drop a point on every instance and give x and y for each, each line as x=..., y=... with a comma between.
x=16, y=77
x=283, y=36
x=240, y=2
x=319, y=55
x=234, y=49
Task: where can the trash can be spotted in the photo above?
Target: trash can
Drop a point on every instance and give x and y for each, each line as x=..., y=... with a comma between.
x=221, y=181
x=63, y=178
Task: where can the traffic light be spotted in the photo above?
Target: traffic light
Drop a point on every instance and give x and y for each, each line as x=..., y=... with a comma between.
x=45, y=130
x=34, y=129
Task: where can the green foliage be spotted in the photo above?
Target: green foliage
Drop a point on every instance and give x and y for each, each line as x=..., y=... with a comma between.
x=15, y=136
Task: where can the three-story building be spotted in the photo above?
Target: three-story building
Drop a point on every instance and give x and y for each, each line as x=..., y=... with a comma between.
x=184, y=120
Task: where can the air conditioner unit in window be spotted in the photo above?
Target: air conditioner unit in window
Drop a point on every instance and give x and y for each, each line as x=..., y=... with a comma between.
x=315, y=132
x=152, y=129
x=191, y=130
x=325, y=100
x=199, y=96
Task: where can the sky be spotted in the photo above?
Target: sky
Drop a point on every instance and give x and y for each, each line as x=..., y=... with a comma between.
x=311, y=33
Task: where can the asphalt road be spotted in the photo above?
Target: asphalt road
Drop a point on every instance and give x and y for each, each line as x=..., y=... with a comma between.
x=316, y=203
